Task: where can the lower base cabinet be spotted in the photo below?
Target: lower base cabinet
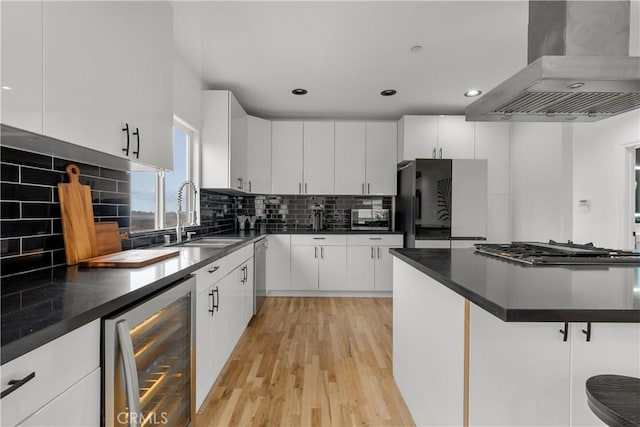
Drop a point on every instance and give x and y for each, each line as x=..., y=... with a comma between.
x=79, y=406
x=369, y=264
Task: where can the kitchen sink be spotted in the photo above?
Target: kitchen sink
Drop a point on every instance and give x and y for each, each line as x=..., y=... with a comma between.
x=211, y=242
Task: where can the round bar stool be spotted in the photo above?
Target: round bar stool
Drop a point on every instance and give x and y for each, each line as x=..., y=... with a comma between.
x=615, y=399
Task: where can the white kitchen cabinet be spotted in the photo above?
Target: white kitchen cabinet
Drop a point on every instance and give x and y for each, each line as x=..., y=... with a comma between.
x=456, y=138
x=350, y=161
x=258, y=155
x=286, y=157
x=469, y=198
x=108, y=77
x=50, y=382
x=417, y=137
x=204, y=345
x=319, y=157
x=381, y=161
x=224, y=141
x=78, y=406
x=247, y=292
x=278, y=262
x=428, y=347
x=435, y=137
x=369, y=264
x=518, y=372
x=22, y=64
x=492, y=143
x=613, y=348
x=318, y=262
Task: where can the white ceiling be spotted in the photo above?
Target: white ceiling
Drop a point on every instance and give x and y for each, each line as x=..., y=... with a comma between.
x=345, y=53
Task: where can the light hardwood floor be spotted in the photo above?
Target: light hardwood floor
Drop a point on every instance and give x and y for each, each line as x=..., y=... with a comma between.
x=308, y=362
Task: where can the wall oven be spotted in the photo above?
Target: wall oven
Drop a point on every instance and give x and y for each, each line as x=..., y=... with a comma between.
x=149, y=361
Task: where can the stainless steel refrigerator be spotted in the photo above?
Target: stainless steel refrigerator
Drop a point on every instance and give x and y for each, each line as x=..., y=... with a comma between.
x=442, y=199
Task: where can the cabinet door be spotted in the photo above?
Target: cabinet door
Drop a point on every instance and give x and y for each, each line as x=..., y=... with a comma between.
x=381, y=154
x=419, y=137
x=384, y=268
x=304, y=268
x=332, y=272
x=204, y=345
x=125, y=77
x=247, y=294
x=238, y=128
x=319, y=157
x=278, y=262
x=350, y=158
x=78, y=406
x=614, y=349
x=286, y=157
x=22, y=65
x=469, y=198
x=456, y=138
x=220, y=325
x=258, y=155
x=518, y=372
x=360, y=268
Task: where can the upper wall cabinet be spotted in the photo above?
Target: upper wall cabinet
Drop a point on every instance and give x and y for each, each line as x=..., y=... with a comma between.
x=492, y=143
x=224, y=142
x=22, y=64
x=258, y=155
x=319, y=158
x=286, y=157
x=108, y=77
x=365, y=158
x=434, y=137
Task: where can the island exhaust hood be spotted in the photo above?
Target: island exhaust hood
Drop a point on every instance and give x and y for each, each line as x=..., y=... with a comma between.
x=579, y=67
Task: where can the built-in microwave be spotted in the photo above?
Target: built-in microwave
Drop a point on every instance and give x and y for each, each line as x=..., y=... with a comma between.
x=370, y=219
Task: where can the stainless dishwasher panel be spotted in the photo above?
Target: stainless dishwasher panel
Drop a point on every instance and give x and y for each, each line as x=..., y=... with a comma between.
x=260, y=273
x=148, y=361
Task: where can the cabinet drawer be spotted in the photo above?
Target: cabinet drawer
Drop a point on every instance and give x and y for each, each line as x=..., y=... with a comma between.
x=240, y=256
x=210, y=274
x=374, y=240
x=57, y=365
x=318, y=239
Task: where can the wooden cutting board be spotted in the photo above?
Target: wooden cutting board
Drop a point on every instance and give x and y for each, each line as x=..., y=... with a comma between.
x=76, y=210
x=130, y=259
x=108, y=238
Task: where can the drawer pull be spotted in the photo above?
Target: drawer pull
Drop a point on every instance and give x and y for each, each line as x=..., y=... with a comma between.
x=319, y=238
x=214, y=269
x=375, y=238
x=16, y=384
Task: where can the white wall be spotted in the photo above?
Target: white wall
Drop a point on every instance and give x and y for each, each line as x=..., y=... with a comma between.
x=541, y=181
x=187, y=92
x=600, y=176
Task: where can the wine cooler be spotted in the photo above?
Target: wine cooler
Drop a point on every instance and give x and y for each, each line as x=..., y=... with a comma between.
x=148, y=361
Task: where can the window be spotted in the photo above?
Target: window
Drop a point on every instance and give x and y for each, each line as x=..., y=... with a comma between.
x=154, y=195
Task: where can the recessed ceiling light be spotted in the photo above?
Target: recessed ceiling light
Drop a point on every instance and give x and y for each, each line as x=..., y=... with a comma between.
x=299, y=91
x=575, y=85
x=416, y=49
x=6, y=87
x=388, y=92
x=473, y=92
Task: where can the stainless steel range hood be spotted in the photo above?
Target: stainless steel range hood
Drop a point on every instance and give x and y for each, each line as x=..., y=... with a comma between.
x=579, y=69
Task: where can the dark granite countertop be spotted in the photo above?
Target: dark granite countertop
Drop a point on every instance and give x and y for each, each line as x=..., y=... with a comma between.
x=40, y=307
x=517, y=292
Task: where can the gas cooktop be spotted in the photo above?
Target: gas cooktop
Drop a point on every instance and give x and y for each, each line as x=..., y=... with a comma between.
x=554, y=253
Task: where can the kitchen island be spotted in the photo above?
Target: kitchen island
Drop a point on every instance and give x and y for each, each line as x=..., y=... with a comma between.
x=479, y=340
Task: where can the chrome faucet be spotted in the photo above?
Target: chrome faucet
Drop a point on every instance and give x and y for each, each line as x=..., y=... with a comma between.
x=179, y=226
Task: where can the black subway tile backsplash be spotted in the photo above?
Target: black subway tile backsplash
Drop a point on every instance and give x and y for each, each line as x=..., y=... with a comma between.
x=31, y=229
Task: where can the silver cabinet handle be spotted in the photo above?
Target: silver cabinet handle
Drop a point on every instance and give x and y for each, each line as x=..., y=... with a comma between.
x=440, y=152
x=375, y=238
x=299, y=188
x=316, y=255
x=319, y=238
x=214, y=269
x=130, y=373
x=368, y=188
x=246, y=274
x=213, y=302
x=371, y=252
x=239, y=179
x=363, y=188
x=16, y=384
x=321, y=251
x=378, y=252
x=305, y=188
x=433, y=156
x=137, y=134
